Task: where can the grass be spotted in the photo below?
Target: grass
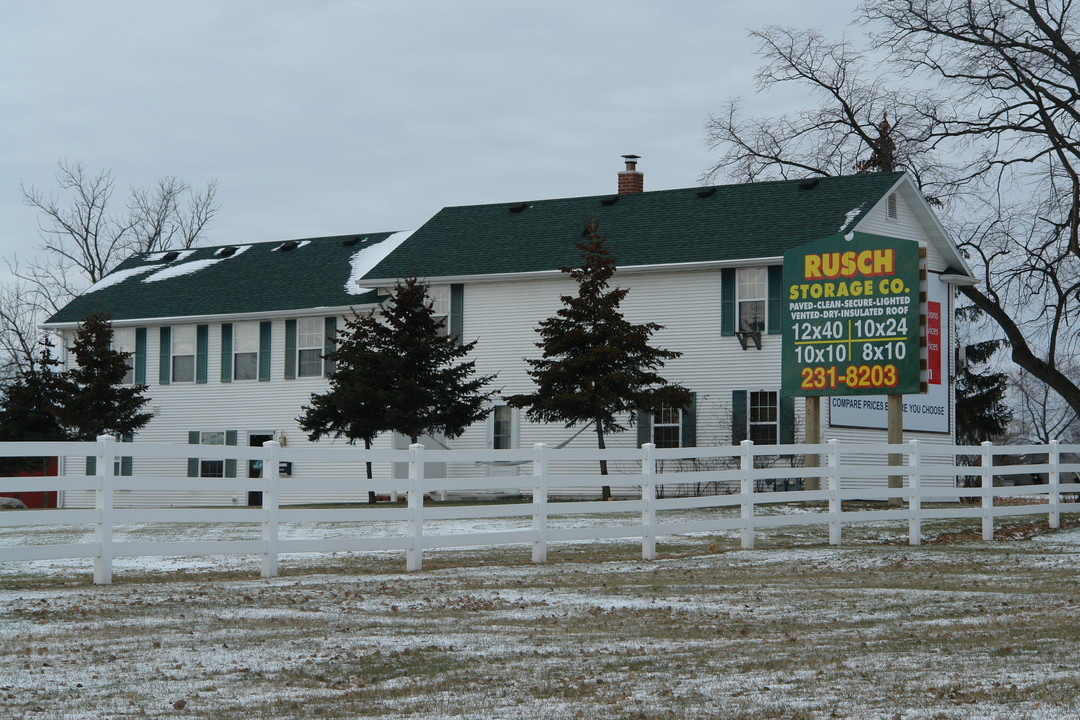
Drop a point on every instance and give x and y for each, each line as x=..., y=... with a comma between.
x=794, y=630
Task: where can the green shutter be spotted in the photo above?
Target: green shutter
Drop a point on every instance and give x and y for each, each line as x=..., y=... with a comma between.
x=776, y=286
x=140, y=356
x=165, y=356
x=738, y=417
x=689, y=423
x=787, y=420
x=290, y=349
x=329, y=343
x=230, y=464
x=91, y=465
x=226, y=352
x=264, y=351
x=126, y=466
x=727, y=301
x=644, y=427
x=193, y=463
x=202, y=351
x=457, y=313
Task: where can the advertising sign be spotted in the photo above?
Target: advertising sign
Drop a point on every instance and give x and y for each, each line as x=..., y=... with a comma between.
x=929, y=412
x=851, y=317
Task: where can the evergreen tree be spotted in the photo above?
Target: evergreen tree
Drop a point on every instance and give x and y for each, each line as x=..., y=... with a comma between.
x=398, y=373
x=596, y=365
x=357, y=404
x=981, y=411
x=99, y=403
x=28, y=410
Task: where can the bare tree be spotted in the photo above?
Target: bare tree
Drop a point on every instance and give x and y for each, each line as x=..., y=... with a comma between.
x=1039, y=414
x=83, y=237
x=171, y=215
x=994, y=143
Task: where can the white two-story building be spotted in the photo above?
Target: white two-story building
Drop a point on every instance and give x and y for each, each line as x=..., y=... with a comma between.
x=230, y=339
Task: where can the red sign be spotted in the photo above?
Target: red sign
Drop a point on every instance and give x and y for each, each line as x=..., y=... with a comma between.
x=933, y=341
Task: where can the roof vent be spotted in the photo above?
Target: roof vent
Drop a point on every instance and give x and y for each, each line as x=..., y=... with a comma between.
x=809, y=184
x=170, y=256
x=228, y=251
x=349, y=242
x=518, y=207
x=706, y=192
x=289, y=245
x=609, y=200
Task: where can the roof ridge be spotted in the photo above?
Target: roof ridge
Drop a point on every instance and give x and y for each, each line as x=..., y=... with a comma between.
x=694, y=188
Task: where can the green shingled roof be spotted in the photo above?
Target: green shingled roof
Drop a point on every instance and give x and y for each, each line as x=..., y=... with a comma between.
x=257, y=278
x=724, y=222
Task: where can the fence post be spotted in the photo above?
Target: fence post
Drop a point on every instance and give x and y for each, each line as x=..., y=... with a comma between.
x=915, y=486
x=103, y=503
x=414, y=557
x=540, y=500
x=987, y=473
x=1054, y=479
x=747, y=482
x=648, y=498
x=271, y=508
x=836, y=507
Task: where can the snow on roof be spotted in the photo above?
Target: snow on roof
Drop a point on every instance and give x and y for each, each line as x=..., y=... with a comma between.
x=180, y=268
x=119, y=276
x=159, y=256
x=851, y=215
x=367, y=258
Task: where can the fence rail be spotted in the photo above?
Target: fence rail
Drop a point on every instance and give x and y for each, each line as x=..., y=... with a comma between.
x=1061, y=492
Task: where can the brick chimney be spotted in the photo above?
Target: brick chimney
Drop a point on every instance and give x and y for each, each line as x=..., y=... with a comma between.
x=630, y=179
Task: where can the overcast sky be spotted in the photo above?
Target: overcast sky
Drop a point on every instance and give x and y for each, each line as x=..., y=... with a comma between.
x=332, y=117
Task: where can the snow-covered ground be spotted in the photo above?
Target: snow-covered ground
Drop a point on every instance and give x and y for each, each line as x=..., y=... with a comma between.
x=796, y=630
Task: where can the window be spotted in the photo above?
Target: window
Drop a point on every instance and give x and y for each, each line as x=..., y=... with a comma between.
x=124, y=342
x=502, y=428
x=212, y=468
x=246, y=351
x=310, y=339
x=183, y=353
x=764, y=417
x=667, y=427
x=753, y=291
x=439, y=296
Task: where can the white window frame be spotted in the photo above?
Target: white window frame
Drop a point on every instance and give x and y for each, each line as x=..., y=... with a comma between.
x=245, y=346
x=662, y=420
x=310, y=338
x=511, y=435
x=439, y=297
x=759, y=415
x=180, y=340
x=751, y=287
x=124, y=342
x=203, y=464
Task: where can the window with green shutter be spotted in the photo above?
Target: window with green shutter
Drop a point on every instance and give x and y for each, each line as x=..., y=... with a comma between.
x=669, y=427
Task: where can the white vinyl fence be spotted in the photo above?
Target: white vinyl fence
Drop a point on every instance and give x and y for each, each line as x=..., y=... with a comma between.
x=735, y=467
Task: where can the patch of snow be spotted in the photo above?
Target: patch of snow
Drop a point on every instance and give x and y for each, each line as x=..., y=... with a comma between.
x=120, y=276
x=851, y=215
x=367, y=258
x=159, y=256
x=182, y=269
